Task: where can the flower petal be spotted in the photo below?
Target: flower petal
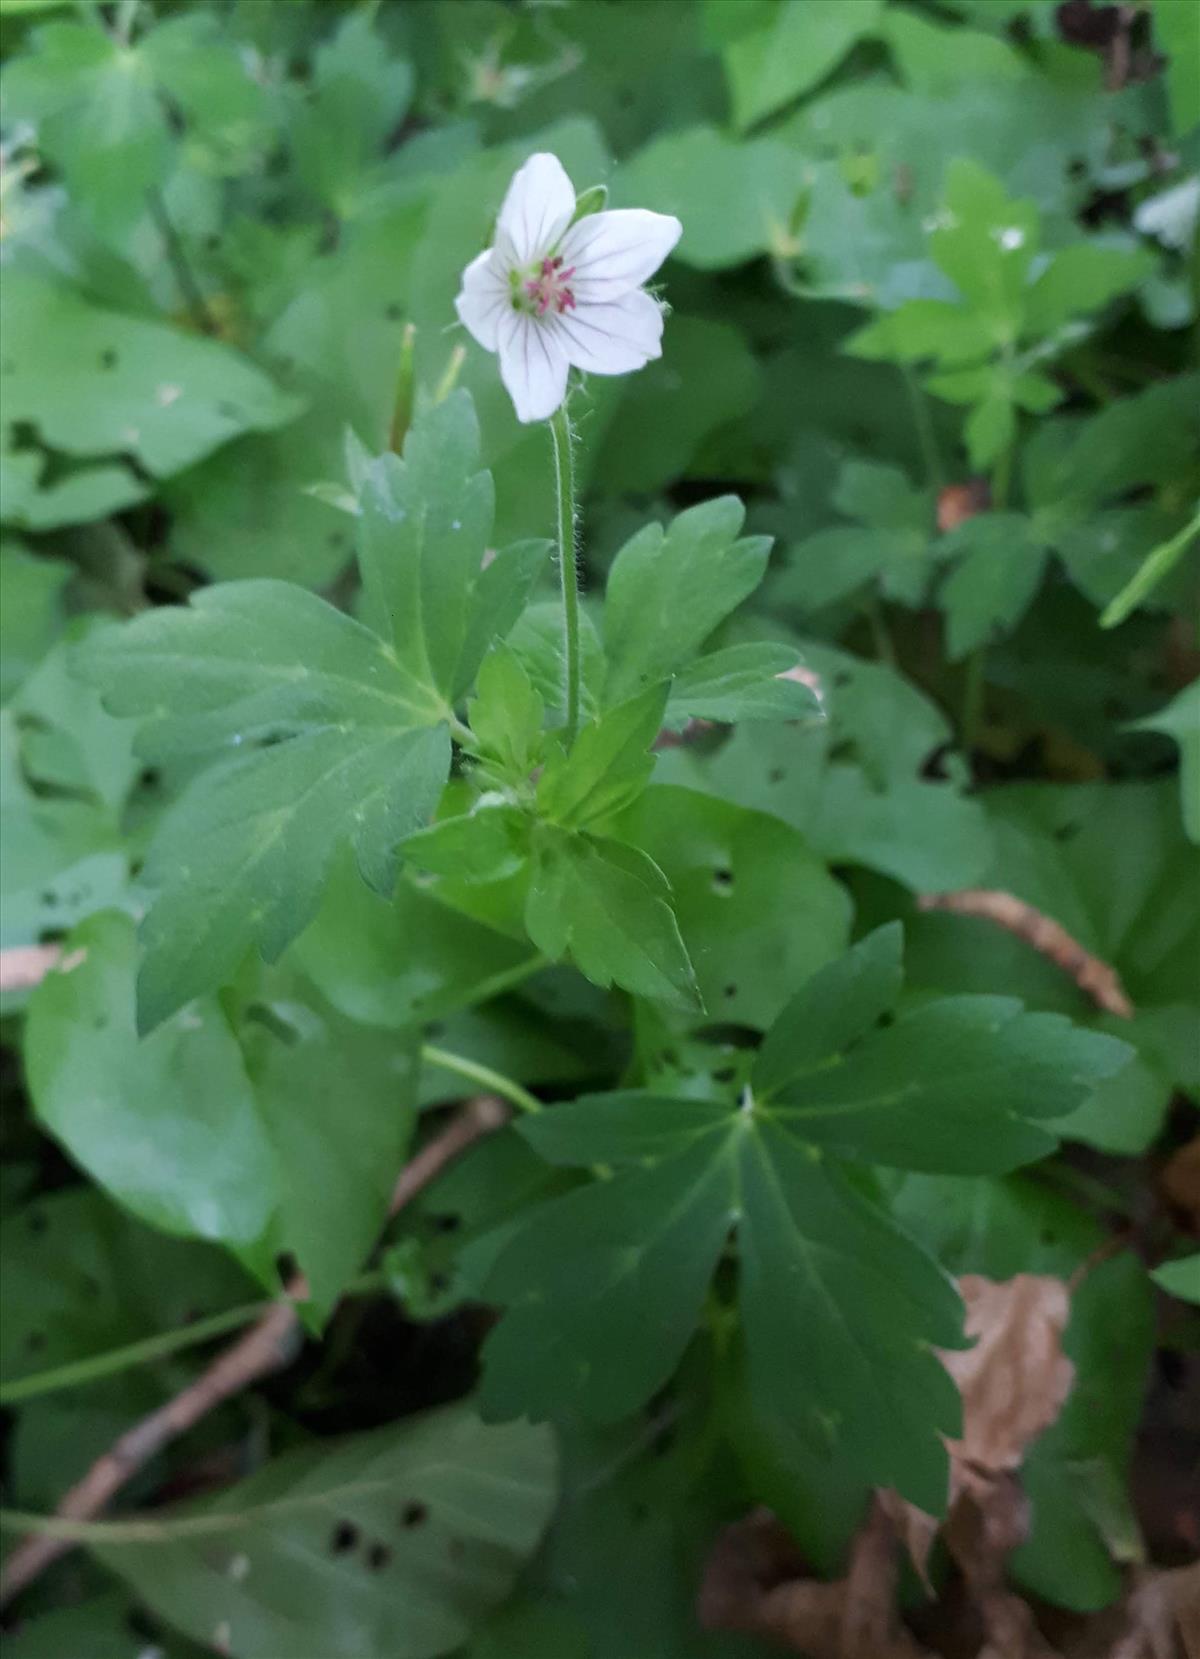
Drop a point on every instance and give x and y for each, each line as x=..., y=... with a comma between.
x=614, y=252
x=533, y=366
x=612, y=337
x=483, y=299
x=537, y=208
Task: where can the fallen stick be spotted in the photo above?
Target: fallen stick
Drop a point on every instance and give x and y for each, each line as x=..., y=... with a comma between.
x=1094, y=977
x=262, y=1349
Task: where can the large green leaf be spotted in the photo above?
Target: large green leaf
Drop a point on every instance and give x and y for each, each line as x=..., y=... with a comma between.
x=796, y=46
x=339, y=743
x=90, y=382
x=832, y=1295
x=168, y=1125
x=387, y=1545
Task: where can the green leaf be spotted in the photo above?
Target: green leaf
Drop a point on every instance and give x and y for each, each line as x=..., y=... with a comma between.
x=668, y=590
x=839, y=1003
x=675, y=410
x=608, y=765
x=358, y=96
x=837, y=1339
x=1180, y=1278
x=923, y=329
x=333, y=1542
x=168, y=1125
x=610, y=906
x=969, y=1111
x=98, y=117
x=734, y=200
x=101, y=1627
x=60, y=857
x=356, y=750
x=506, y=715
x=486, y=844
x=1180, y=719
x=31, y=611
x=742, y=682
x=797, y=47
x=998, y=571
x=1177, y=31
x=91, y=381
x=739, y=880
x=403, y=960
x=874, y=804
x=424, y=530
x=336, y=1167
x=985, y=242
x=1082, y=278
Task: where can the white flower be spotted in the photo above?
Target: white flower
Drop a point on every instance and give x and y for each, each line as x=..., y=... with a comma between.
x=549, y=293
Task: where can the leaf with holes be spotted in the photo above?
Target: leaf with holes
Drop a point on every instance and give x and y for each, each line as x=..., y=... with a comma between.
x=100, y=381
x=393, y=1544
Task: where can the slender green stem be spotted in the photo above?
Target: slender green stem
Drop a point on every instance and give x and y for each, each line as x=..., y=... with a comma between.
x=564, y=474
x=976, y=676
x=1153, y=569
x=151, y=1348
x=494, y=1082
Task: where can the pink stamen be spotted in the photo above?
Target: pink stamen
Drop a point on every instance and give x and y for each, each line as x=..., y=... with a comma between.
x=549, y=287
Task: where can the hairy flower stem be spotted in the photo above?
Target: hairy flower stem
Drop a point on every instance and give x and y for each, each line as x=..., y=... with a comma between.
x=564, y=473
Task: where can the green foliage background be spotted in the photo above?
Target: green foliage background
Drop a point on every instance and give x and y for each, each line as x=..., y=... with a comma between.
x=927, y=424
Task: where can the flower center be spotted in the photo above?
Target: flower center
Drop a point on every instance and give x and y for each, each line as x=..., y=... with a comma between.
x=547, y=289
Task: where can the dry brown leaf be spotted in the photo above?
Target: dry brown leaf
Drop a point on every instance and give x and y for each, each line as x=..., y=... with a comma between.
x=1014, y=1380
x=755, y=1581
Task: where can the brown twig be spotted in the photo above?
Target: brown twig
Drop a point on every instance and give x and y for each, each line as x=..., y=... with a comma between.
x=1094, y=978
x=265, y=1347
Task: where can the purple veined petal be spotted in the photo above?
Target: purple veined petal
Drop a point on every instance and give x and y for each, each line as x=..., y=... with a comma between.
x=611, y=336
x=483, y=300
x=533, y=366
x=537, y=208
x=614, y=252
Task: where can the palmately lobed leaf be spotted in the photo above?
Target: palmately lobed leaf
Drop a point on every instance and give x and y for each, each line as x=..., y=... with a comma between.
x=356, y=750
